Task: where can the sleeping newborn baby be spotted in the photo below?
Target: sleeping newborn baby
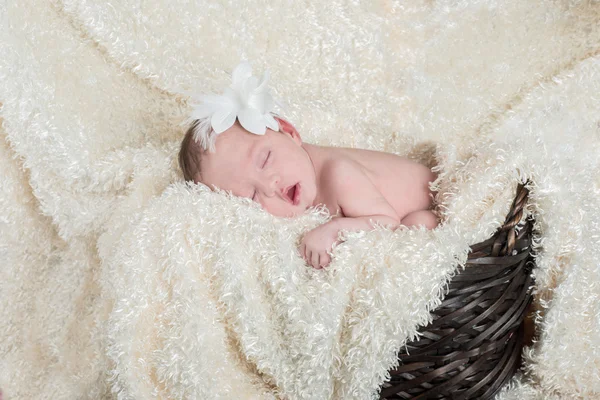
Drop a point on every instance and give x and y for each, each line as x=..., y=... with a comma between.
x=286, y=176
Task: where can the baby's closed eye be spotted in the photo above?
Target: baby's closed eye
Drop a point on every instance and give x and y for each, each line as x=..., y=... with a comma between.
x=266, y=159
x=262, y=166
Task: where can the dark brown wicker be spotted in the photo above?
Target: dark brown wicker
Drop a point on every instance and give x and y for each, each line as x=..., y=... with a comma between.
x=473, y=345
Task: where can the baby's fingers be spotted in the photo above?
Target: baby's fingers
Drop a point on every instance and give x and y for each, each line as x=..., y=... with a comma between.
x=324, y=260
x=302, y=251
x=315, y=259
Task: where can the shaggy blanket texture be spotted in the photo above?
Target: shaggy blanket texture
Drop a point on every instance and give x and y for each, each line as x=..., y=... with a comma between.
x=118, y=280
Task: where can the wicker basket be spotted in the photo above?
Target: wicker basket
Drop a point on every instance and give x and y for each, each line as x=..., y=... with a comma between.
x=473, y=345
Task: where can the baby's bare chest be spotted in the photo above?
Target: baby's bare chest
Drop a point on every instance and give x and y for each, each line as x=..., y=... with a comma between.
x=404, y=183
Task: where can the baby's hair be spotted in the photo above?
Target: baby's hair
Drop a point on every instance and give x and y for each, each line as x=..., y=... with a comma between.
x=190, y=154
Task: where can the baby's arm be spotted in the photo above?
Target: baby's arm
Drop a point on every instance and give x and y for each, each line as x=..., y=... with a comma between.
x=421, y=217
x=361, y=203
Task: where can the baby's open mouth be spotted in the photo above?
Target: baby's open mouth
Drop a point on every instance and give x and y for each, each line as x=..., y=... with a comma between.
x=293, y=194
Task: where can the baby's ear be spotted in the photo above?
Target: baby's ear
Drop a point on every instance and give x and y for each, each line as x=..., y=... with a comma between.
x=287, y=127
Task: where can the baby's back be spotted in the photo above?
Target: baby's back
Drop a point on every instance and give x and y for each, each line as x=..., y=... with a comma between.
x=403, y=182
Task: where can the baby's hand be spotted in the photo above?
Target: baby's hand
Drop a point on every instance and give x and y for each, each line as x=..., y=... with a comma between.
x=316, y=243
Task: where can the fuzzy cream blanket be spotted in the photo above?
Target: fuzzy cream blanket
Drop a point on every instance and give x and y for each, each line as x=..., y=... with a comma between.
x=117, y=280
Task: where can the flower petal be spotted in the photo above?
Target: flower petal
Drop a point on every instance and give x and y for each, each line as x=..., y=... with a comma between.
x=223, y=119
x=252, y=121
x=257, y=103
x=233, y=97
x=271, y=122
x=248, y=88
x=263, y=85
x=247, y=99
x=268, y=102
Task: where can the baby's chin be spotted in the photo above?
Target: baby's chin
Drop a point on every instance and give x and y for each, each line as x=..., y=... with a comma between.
x=298, y=210
x=288, y=212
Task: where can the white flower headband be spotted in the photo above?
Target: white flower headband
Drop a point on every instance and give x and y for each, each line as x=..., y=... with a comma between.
x=246, y=100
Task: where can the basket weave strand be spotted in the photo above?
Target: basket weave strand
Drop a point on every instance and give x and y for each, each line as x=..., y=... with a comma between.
x=473, y=345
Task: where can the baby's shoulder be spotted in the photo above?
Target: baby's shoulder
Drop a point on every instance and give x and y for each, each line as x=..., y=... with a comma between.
x=338, y=179
x=342, y=177
x=340, y=170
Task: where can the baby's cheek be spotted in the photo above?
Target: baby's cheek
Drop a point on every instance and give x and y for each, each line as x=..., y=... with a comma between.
x=274, y=209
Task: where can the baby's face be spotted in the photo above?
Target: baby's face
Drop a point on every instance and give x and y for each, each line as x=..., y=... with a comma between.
x=272, y=169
